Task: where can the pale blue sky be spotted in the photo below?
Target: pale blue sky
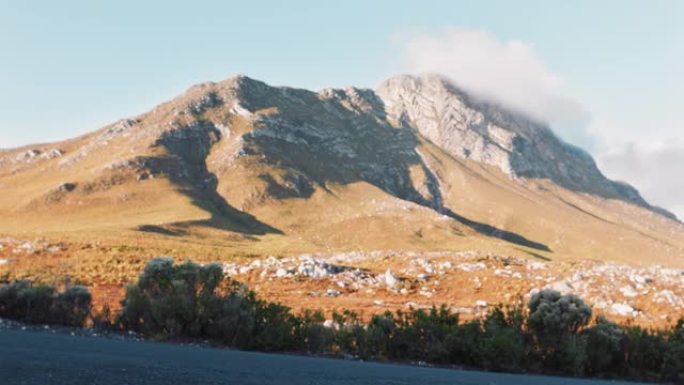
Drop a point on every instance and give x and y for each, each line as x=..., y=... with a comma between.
x=68, y=67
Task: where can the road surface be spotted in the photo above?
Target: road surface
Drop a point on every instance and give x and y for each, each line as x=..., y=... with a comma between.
x=44, y=358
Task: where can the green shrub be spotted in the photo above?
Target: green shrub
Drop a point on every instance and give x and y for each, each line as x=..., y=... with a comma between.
x=463, y=344
x=673, y=359
x=555, y=321
x=644, y=352
x=72, y=307
x=275, y=328
x=605, y=348
x=173, y=301
x=378, y=336
x=189, y=300
x=503, y=343
x=23, y=301
x=422, y=335
x=314, y=335
x=104, y=319
x=350, y=336
x=234, y=321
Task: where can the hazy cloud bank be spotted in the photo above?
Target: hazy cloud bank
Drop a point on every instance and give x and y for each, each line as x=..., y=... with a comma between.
x=657, y=169
x=509, y=72
x=512, y=73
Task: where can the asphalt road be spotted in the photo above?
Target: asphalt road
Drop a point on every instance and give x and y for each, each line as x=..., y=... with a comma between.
x=43, y=358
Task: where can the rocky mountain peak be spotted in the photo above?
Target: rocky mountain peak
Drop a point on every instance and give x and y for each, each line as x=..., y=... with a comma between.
x=484, y=132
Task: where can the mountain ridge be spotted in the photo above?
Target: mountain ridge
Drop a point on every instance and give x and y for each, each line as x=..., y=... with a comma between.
x=524, y=130
x=416, y=158
x=495, y=112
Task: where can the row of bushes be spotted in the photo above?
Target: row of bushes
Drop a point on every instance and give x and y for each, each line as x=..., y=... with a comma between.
x=23, y=301
x=553, y=334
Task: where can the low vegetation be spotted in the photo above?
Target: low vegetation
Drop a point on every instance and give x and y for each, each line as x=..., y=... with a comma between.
x=554, y=334
x=23, y=301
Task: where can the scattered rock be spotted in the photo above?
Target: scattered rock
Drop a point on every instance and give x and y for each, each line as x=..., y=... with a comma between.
x=389, y=279
x=628, y=291
x=564, y=287
x=26, y=247
x=471, y=266
x=314, y=268
x=605, y=286
x=669, y=297
x=52, y=154
x=53, y=249
x=622, y=309
x=534, y=265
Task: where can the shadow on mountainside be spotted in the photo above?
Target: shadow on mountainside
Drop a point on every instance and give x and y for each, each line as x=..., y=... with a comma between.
x=154, y=229
x=344, y=139
x=186, y=167
x=495, y=232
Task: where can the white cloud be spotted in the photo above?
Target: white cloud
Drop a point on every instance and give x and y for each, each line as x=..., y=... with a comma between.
x=509, y=72
x=513, y=73
x=656, y=169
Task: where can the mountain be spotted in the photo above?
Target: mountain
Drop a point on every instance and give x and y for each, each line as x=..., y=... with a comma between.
x=417, y=164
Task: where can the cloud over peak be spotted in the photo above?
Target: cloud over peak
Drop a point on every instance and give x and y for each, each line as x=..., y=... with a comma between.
x=513, y=74
x=655, y=168
x=509, y=72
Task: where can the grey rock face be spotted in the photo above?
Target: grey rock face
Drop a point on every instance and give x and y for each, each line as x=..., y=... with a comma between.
x=358, y=134
x=443, y=115
x=334, y=136
x=471, y=129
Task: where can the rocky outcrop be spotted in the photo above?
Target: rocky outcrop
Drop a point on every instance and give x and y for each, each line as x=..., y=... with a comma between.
x=487, y=133
x=347, y=135
x=648, y=294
